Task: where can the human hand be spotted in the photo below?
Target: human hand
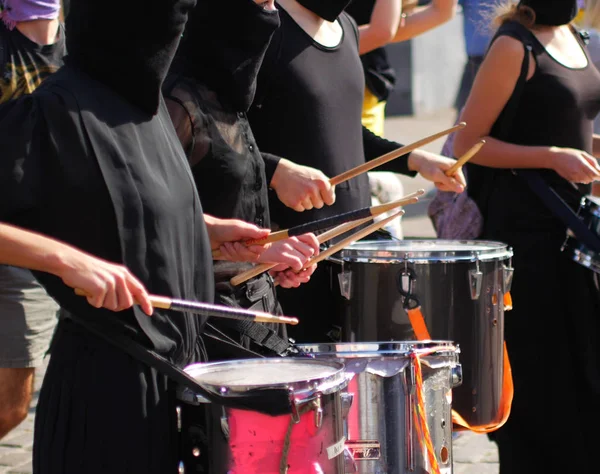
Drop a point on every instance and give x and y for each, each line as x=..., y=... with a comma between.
x=300, y=187
x=575, y=166
x=432, y=167
x=291, y=279
x=291, y=253
x=227, y=235
x=106, y=285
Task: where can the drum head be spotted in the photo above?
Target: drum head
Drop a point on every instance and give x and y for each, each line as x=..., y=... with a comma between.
x=424, y=251
x=238, y=376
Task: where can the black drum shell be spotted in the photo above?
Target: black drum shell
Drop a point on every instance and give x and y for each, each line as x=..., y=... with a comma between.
x=375, y=312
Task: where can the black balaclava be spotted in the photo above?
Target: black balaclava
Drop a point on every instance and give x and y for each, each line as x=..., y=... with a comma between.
x=128, y=47
x=327, y=9
x=552, y=12
x=224, y=45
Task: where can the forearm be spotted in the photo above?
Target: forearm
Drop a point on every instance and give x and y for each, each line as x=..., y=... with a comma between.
x=426, y=18
x=376, y=146
x=499, y=154
x=26, y=249
x=382, y=27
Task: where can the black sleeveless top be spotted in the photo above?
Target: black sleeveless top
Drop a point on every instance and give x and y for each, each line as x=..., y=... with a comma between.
x=556, y=108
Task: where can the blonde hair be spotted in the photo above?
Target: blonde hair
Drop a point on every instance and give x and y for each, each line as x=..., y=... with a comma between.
x=591, y=16
x=508, y=10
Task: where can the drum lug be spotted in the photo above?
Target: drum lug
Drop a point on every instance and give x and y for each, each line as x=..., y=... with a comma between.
x=508, y=272
x=345, y=282
x=475, y=282
x=225, y=424
x=350, y=465
x=456, y=376
x=318, y=411
x=294, y=406
x=179, y=423
x=347, y=398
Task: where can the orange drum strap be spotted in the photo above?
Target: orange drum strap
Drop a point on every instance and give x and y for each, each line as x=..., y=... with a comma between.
x=420, y=417
x=507, y=301
x=417, y=322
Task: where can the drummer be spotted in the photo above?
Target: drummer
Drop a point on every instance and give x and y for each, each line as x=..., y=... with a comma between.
x=91, y=160
x=208, y=92
x=308, y=108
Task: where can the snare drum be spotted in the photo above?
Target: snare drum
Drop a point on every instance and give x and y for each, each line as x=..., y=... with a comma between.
x=460, y=287
x=589, y=212
x=309, y=441
x=383, y=434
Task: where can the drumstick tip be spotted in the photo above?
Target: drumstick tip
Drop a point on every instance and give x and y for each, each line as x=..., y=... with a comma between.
x=462, y=124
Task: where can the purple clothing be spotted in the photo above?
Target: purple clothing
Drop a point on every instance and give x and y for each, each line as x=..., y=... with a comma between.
x=14, y=11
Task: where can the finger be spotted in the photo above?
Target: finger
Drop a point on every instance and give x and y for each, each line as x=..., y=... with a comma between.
x=124, y=299
x=316, y=200
x=459, y=177
x=593, y=162
x=246, y=254
x=298, y=207
x=97, y=295
x=287, y=280
x=306, y=249
x=139, y=294
x=246, y=231
x=307, y=204
x=311, y=240
x=328, y=195
x=110, y=298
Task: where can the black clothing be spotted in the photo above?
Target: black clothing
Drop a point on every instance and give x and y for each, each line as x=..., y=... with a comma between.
x=207, y=106
x=552, y=12
x=129, y=49
x=555, y=299
x=224, y=45
x=24, y=63
x=83, y=165
x=329, y=10
x=308, y=109
x=380, y=76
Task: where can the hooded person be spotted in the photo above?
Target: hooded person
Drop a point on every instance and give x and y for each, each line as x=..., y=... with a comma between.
x=209, y=91
x=91, y=159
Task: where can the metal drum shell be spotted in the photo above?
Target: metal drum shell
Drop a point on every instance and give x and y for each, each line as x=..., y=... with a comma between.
x=378, y=423
x=248, y=442
x=374, y=309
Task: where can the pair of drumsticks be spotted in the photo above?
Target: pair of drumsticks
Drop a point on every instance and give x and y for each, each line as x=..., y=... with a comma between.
x=344, y=223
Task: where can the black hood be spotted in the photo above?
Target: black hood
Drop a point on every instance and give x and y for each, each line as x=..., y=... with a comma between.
x=224, y=45
x=552, y=12
x=128, y=46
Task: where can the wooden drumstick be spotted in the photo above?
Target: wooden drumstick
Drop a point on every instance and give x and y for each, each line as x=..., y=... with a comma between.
x=322, y=238
x=466, y=157
x=212, y=310
x=349, y=240
x=316, y=226
x=392, y=155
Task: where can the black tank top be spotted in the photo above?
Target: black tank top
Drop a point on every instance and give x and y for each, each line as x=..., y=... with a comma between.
x=556, y=108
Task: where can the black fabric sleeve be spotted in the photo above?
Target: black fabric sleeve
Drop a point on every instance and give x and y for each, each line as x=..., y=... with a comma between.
x=375, y=146
x=271, y=163
x=22, y=139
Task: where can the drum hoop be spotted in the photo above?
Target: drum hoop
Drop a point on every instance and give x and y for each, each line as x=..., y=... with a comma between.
x=499, y=252
x=330, y=383
x=379, y=350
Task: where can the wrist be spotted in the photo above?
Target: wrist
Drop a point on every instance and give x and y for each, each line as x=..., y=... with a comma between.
x=281, y=168
x=414, y=161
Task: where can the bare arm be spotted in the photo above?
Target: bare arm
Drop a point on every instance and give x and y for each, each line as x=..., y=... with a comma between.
x=108, y=285
x=426, y=18
x=382, y=27
x=596, y=146
x=491, y=90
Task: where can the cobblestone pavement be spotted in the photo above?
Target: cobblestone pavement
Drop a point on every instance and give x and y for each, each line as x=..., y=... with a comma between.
x=472, y=453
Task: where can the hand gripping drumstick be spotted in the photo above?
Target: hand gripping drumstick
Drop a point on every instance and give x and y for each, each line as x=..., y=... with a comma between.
x=212, y=310
x=321, y=224
x=349, y=240
x=392, y=155
x=324, y=237
x=466, y=157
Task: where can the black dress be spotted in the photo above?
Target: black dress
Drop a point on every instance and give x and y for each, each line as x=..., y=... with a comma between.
x=85, y=166
x=553, y=332
x=308, y=109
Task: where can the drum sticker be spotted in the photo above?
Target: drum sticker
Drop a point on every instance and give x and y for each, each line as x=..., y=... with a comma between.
x=336, y=449
x=364, y=450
